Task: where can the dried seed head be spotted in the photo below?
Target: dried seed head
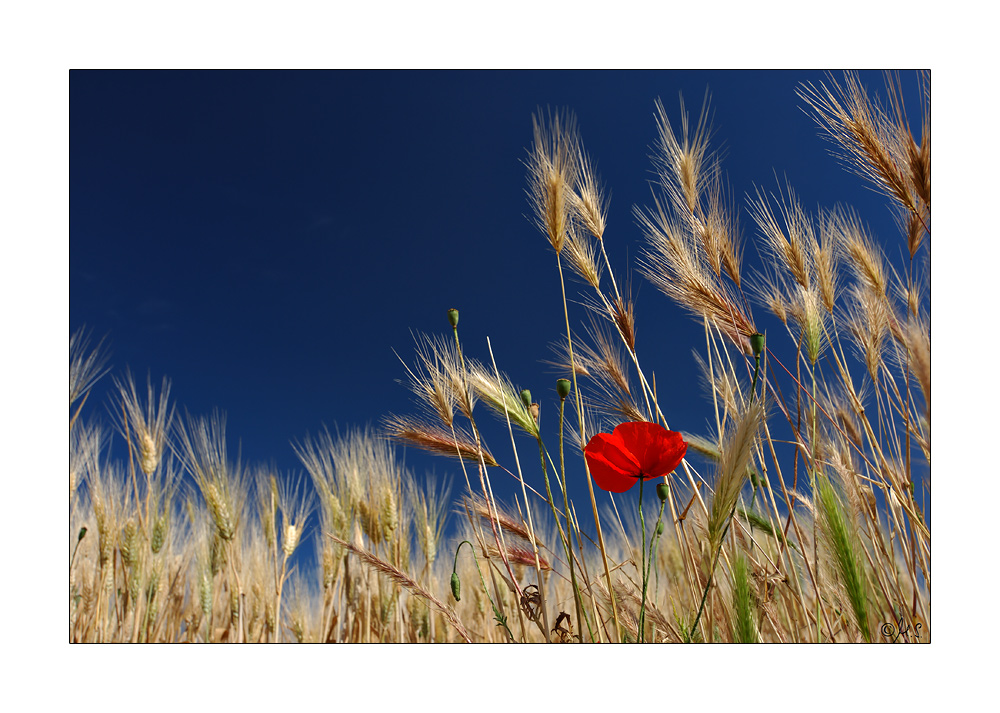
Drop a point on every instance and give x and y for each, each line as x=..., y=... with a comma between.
x=437, y=379
x=916, y=228
x=583, y=258
x=552, y=175
x=589, y=201
x=918, y=343
x=864, y=256
x=218, y=554
x=737, y=455
x=869, y=323
x=791, y=245
x=431, y=438
x=684, y=164
x=234, y=606
x=826, y=259
x=368, y=517
x=872, y=143
x=205, y=592
x=291, y=539
x=507, y=521
x=622, y=310
x=428, y=540
x=149, y=453
x=221, y=512
x=331, y=566
x=672, y=262
x=105, y=536
x=770, y=292
x=522, y=555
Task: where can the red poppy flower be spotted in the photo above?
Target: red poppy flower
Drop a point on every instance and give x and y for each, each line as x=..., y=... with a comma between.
x=633, y=451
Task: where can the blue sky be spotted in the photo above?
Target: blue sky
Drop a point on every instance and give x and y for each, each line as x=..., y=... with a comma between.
x=271, y=240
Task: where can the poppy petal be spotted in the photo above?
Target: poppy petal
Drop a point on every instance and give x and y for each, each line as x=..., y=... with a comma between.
x=611, y=464
x=607, y=476
x=657, y=450
x=615, y=451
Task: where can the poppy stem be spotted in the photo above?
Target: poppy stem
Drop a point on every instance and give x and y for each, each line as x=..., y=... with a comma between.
x=656, y=534
x=650, y=561
x=500, y=618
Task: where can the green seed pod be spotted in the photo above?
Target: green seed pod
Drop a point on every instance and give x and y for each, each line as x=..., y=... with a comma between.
x=562, y=388
x=453, y=317
x=659, y=528
x=83, y=531
x=757, y=343
x=526, y=398
x=456, y=587
x=662, y=490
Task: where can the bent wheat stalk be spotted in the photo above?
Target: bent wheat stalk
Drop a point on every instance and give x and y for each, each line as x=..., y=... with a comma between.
x=403, y=580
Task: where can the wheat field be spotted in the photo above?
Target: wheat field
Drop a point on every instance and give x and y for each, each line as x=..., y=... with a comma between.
x=802, y=517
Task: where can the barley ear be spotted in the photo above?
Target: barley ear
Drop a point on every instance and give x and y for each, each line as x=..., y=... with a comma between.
x=736, y=457
x=842, y=538
x=744, y=626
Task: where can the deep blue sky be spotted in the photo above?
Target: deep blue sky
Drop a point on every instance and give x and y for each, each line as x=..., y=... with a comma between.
x=267, y=239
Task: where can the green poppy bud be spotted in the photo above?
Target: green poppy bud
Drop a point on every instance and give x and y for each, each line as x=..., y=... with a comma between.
x=662, y=490
x=526, y=398
x=562, y=388
x=456, y=587
x=757, y=343
x=659, y=528
x=453, y=317
x=83, y=531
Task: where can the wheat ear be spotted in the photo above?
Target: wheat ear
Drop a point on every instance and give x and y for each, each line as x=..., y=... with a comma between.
x=403, y=580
